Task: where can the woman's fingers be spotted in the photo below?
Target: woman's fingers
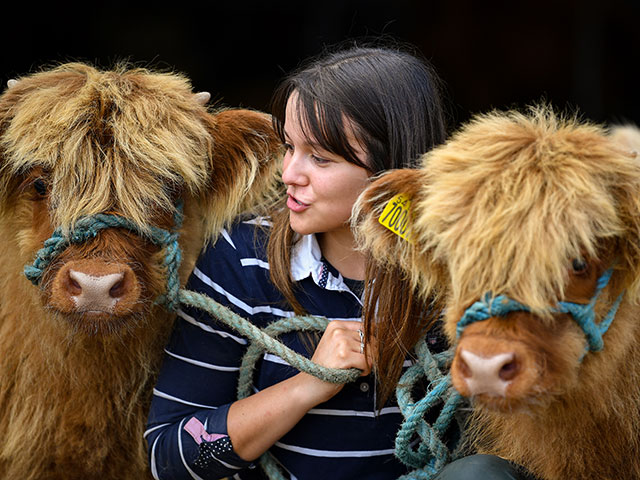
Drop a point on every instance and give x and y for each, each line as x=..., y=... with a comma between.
x=343, y=346
x=339, y=347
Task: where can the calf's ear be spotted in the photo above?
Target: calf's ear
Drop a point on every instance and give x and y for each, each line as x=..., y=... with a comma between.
x=245, y=156
x=390, y=196
x=389, y=235
x=627, y=196
x=9, y=98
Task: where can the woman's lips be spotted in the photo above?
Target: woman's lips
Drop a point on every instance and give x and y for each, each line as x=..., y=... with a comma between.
x=295, y=205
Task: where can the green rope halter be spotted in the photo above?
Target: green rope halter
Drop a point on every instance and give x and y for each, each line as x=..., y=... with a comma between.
x=88, y=227
x=583, y=314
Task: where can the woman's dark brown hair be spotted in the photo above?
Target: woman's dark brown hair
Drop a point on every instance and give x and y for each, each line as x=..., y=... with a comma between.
x=392, y=99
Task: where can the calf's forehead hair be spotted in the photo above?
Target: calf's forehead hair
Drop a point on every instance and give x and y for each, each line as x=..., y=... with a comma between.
x=513, y=197
x=107, y=140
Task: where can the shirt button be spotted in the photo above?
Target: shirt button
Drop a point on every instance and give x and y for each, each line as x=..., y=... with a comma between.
x=364, y=387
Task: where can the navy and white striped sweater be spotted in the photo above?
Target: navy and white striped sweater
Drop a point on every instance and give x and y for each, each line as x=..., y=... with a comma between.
x=345, y=438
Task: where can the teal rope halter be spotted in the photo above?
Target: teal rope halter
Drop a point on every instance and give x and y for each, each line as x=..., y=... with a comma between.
x=88, y=227
x=583, y=314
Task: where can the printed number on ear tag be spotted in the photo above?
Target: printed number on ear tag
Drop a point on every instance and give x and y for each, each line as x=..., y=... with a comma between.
x=396, y=216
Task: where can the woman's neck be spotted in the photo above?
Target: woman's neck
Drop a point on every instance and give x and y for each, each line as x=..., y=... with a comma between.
x=338, y=247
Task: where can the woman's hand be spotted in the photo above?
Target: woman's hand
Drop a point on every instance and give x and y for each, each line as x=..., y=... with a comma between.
x=339, y=347
x=258, y=421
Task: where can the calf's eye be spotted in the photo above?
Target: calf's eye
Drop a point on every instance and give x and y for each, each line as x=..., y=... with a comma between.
x=579, y=266
x=40, y=186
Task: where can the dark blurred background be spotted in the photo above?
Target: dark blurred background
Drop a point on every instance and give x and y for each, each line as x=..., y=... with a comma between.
x=578, y=55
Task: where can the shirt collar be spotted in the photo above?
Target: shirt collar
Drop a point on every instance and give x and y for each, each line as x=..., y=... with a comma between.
x=306, y=260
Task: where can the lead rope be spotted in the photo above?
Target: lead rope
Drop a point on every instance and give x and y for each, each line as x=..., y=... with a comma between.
x=419, y=444
x=431, y=453
x=250, y=359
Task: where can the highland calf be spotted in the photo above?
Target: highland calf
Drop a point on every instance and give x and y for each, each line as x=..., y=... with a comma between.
x=78, y=354
x=526, y=227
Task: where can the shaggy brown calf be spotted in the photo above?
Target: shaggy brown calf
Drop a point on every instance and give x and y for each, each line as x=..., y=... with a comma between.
x=78, y=355
x=514, y=216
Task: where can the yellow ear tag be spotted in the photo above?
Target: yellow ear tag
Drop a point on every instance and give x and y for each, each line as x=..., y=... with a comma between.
x=396, y=216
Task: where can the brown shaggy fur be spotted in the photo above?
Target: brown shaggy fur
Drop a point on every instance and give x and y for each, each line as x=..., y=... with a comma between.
x=74, y=387
x=505, y=207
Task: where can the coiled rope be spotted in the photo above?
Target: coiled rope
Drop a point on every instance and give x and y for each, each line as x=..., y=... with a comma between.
x=430, y=454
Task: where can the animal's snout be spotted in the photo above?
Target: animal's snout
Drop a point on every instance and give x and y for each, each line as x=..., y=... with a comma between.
x=95, y=287
x=489, y=375
x=496, y=362
x=95, y=292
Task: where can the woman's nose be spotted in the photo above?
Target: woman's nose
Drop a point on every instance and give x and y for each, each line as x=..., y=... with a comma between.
x=293, y=171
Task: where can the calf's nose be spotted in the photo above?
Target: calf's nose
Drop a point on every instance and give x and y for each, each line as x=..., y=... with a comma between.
x=95, y=286
x=91, y=292
x=489, y=375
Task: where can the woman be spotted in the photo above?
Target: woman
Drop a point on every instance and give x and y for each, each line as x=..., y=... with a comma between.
x=342, y=119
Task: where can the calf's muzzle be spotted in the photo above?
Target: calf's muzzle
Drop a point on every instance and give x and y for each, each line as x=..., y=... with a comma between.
x=95, y=287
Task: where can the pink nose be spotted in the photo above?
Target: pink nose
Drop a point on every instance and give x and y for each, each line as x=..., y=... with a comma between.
x=95, y=293
x=96, y=287
x=488, y=375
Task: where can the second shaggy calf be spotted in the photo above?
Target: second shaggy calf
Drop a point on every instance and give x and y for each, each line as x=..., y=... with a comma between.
x=526, y=227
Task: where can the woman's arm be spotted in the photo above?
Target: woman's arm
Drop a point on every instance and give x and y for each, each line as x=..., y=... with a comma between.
x=195, y=387
x=255, y=423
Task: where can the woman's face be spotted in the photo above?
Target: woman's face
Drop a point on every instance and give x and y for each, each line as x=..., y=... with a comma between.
x=321, y=186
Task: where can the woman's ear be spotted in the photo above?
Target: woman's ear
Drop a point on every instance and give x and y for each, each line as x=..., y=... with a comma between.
x=244, y=157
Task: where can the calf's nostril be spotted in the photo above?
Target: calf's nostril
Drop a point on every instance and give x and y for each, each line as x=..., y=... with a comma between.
x=117, y=290
x=74, y=286
x=508, y=371
x=464, y=368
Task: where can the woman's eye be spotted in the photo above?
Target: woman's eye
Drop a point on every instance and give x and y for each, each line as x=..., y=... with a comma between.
x=320, y=160
x=288, y=147
x=40, y=186
x=579, y=266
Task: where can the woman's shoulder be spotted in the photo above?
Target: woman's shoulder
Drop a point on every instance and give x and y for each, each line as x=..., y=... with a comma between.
x=234, y=270
x=246, y=237
x=232, y=259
